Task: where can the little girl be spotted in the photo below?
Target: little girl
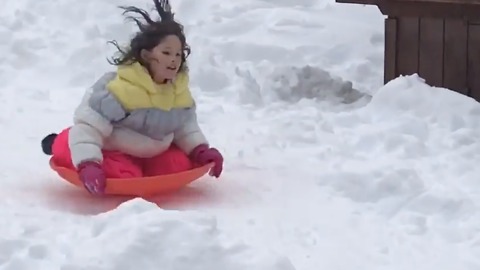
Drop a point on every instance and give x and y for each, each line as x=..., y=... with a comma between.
x=141, y=119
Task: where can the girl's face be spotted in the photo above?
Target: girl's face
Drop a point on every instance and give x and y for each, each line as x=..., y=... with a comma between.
x=164, y=60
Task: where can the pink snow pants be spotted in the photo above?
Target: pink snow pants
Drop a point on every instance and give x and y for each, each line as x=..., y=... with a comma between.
x=118, y=165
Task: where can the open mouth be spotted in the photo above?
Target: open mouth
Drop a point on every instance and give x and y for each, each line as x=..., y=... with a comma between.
x=171, y=68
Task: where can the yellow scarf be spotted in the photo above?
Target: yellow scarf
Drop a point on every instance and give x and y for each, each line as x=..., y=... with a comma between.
x=135, y=89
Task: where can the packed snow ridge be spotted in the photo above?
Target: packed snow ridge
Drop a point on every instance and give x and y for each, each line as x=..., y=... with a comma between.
x=137, y=235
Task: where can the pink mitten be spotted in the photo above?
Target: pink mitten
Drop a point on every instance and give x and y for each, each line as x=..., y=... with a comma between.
x=203, y=154
x=92, y=176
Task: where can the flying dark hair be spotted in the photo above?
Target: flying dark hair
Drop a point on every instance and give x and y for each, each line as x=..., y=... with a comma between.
x=151, y=34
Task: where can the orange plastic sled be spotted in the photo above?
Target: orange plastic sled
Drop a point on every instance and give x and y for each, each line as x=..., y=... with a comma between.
x=138, y=186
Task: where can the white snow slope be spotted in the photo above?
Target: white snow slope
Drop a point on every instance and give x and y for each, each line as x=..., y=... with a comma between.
x=317, y=175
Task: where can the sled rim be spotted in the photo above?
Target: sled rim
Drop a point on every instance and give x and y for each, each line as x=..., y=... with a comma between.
x=140, y=186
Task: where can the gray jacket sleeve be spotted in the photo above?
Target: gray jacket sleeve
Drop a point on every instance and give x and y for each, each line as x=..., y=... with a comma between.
x=93, y=120
x=189, y=135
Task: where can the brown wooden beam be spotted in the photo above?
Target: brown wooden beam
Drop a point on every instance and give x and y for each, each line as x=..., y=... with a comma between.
x=362, y=2
x=429, y=9
x=453, y=2
x=447, y=9
x=390, y=52
x=455, y=56
x=376, y=2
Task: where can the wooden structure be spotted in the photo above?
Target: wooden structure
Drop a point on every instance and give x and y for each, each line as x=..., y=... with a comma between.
x=437, y=39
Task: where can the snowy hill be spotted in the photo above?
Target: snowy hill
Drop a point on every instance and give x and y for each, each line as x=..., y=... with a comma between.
x=325, y=167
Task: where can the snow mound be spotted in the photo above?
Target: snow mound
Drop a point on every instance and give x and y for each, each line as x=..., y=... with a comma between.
x=410, y=154
x=137, y=235
x=292, y=84
x=410, y=95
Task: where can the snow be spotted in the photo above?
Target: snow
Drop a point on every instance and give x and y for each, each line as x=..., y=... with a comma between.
x=325, y=167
